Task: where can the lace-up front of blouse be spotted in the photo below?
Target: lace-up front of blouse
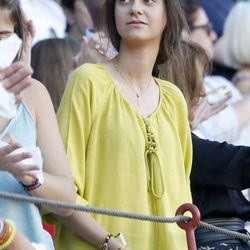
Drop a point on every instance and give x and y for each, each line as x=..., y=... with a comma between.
x=151, y=165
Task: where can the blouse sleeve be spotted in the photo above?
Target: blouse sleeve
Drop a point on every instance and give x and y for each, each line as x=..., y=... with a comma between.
x=184, y=131
x=220, y=164
x=74, y=118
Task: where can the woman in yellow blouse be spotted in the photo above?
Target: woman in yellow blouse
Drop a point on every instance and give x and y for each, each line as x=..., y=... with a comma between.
x=126, y=133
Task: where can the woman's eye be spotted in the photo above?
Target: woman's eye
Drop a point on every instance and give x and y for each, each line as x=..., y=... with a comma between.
x=149, y=1
x=5, y=36
x=128, y=1
x=123, y=1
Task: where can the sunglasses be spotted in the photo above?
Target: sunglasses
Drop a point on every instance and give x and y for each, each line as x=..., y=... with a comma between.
x=208, y=27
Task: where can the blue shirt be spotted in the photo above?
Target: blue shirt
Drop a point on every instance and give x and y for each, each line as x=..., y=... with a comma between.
x=25, y=215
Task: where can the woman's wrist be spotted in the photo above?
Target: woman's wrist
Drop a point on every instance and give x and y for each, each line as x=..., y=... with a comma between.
x=114, y=244
x=109, y=242
x=32, y=186
x=105, y=242
x=7, y=233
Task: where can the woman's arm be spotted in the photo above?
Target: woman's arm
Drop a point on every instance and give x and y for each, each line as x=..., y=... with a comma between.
x=220, y=164
x=86, y=227
x=75, y=121
x=15, y=78
x=11, y=238
x=58, y=183
x=12, y=163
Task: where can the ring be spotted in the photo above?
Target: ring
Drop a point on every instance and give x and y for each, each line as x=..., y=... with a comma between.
x=97, y=46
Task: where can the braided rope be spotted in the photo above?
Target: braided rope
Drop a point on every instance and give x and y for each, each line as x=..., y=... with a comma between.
x=113, y=213
x=89, y=209
x=223, y=231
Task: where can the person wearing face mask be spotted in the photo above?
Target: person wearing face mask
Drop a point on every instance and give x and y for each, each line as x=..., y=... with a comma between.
x=33, y=160
x=14, y=78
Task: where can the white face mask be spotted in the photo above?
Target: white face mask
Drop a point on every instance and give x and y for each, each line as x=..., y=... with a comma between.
x=9, y=48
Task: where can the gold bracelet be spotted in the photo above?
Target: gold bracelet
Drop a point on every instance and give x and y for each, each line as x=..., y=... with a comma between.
x=122, y=238
x=104, y=242
x=9, y=237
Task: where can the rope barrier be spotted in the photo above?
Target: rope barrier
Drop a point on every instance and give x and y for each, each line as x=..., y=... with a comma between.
x=223, y=231
x=89, y=209
x=113, y=213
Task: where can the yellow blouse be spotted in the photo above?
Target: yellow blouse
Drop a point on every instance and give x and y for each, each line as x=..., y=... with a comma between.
x=122, y=161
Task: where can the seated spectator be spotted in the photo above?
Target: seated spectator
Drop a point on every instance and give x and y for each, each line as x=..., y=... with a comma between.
x=231, y=124
x=191, y=83
x=235, y=45
x=217, y=11
x=31, y=131
x=78, y=17
x=219, y=171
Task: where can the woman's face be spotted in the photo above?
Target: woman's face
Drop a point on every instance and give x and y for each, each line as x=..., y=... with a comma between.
x=140, y=20
x=203, y=33
x=6, y=24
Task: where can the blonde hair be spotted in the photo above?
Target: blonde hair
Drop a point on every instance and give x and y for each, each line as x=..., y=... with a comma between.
x=236, y=36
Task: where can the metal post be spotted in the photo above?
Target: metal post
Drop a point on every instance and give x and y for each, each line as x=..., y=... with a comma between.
x=189, y=226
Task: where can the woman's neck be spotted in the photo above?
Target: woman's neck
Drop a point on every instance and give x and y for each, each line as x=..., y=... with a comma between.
x=137, y=64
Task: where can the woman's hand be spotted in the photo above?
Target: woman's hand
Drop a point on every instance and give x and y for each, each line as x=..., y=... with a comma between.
x=29, y=33
x=93, y=50
x=15, y=78
x=203, y=110
x=12, y=163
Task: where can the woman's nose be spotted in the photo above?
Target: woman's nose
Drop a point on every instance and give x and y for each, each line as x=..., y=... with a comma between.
x=137, y=7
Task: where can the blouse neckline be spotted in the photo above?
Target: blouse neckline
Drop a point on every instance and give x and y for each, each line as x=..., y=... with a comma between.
x=132, y=107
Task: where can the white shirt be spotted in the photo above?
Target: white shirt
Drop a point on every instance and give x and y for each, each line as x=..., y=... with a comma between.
x=224, y=125
x=48, y=18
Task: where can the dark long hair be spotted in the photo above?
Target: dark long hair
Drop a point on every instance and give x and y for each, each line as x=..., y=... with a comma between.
x=51, y=60
x=188, y=76
x=171, y=36
x=16, y=17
